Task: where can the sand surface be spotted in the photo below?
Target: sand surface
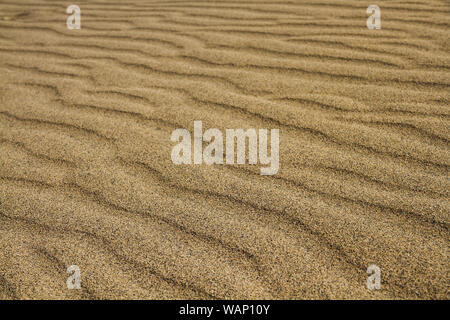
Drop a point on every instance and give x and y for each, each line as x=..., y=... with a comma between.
x=86, y=176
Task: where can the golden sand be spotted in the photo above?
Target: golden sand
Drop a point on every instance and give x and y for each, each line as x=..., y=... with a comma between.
x=86, y=176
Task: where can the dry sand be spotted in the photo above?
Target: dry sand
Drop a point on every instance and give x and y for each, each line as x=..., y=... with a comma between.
x=86, y=176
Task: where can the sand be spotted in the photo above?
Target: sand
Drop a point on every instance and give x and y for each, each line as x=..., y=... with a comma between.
x=86, y=176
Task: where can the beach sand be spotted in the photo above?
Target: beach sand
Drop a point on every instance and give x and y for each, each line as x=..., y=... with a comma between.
x=86, y=176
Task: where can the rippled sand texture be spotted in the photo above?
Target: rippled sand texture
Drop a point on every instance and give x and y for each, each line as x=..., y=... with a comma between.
x=86, y=176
